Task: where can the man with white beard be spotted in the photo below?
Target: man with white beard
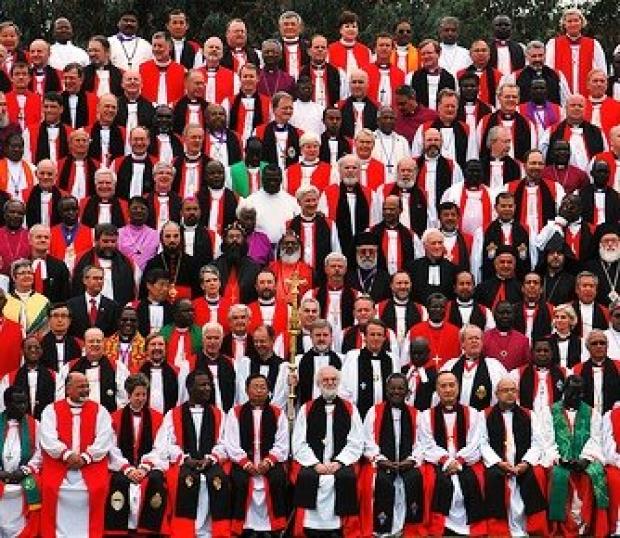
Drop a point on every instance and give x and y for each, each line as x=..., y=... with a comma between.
x=289, y=262
x=327, y=441
x=606, y=267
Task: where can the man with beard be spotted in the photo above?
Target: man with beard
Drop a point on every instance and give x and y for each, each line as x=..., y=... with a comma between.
x=476, y=373
x=238, y=271
x=462, y=249
x=442, y=336
x=181, y=268
x=400, y=312
x=456, y=499
x=578, y=235
x=335, y=297
x=558, y=284
x=473, y=199
x=436, y=172
x=533, y=314
x=127, y=344
x=106, y=378
x=263, y=361
x=433, y=273
x=396, y=241
x=355, y=336
x=540, y=384
x=365, y=276
x=104, y=206
x=191, y=442
x=51, y=277
x=256, y=440
x=347, y=203
x=392, y=500
x=221, y=84
x=419, y=375
x=511, y=347
x=463, y=309
x=498, y=167
x=578, y=498
x=590, y=313
x=20, y=498
x=165, y=144
x=413, y=203
x=535, y=198
x=274, y=206
x=259, y=245
x=166, y=382
x=535, y=69
x=221, y=143
x=92, y=308
x=457, y=142
x=136, y=240
x=118, y=271
x=74, y=474
x=155, y=310
x=511, y=446
x=221, y=367
x=503, y=285
x=238, y=342
x=134, y=470
x=218, y=203
x=13, y=235
x=328, y=440
x=41, y=385
x=307, y=365
x=266, y=310
x=289, y=263
x=600, y=200
x=183, y=336
x=600, y=374
x=606, y=267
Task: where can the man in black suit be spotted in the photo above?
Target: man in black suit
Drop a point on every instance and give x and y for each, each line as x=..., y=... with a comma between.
x=196, y=236
x=365, y=276
x=99, y=53
x=155, y=311
x=90, y=308
x=51, y=276
x=432, y=273
x=119, y=271
x=59, y=347
x=133, y=109
x=237, y=52
x=597, y=209
x=503, y=284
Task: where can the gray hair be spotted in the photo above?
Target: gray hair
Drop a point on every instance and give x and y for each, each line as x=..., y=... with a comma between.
x=335, y=256
x=275, y=42
x=535, y=44
x=209, y=270
x=586, y=274
x=468, y=327
x=105, y=171
x=212, y=325
x=319, y=375
x=290, y=15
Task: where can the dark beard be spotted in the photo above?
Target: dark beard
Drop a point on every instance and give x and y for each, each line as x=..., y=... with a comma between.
x=234, y=252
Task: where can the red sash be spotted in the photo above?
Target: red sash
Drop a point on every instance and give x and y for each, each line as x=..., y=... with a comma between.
x=564, y=64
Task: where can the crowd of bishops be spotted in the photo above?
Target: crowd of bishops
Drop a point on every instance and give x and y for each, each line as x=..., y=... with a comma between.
x=312, y=289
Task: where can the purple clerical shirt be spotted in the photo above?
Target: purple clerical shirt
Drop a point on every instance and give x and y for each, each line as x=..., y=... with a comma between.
x=270, y=82
x=407, y=124
x=138, y=243
x=259, y=248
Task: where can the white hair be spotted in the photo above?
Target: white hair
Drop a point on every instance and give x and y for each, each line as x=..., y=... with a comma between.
x=212, y=325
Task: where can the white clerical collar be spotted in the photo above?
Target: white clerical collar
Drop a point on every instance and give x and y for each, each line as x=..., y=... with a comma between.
x=435, y=325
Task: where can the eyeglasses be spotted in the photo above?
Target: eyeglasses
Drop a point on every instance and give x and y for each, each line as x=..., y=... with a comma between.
x=598, y=343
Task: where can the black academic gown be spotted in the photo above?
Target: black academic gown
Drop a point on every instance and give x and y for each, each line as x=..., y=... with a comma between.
x=418, y=271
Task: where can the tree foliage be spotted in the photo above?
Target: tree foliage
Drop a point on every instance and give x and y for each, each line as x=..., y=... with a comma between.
x=533, y=19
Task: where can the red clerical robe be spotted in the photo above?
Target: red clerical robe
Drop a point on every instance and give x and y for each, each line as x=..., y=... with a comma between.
x=82, y=240
x=339, y=57
x=443, y=342
x=175, y=76
x=27, y=114
x=13, y=246
x=298, y=173
x=285, y=271
x=11, y=338
x=54, y=468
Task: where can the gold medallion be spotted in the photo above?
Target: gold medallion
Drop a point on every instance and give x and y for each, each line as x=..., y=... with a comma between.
x=217, y=483
x=481, y=392
x=189, y=481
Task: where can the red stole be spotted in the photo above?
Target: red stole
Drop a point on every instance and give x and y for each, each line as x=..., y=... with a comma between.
x=30, y=114
x=421, y=179
x=11, y=337
x=385, y=243
x=375, y=175
x=4, y=177
x=265, y=105
x=82, y=242
x=337, y=54
x=224, y=83
x=319, y=177
x=232, y=290
x=173, y=345
x=397, y=79
x=286, y=55
x=199, y=175
x=54, y=470
x=486, y=205
x=279, y=321
x=573, y=241
x=563, y=60
x=175, y=74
